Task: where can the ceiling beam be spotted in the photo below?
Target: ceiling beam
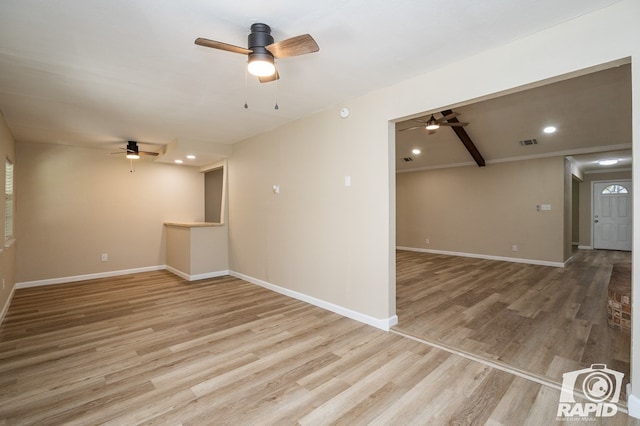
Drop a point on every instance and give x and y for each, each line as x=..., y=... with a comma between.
x=465, y=139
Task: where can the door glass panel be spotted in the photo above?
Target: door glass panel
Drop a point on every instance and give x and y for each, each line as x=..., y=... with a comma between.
x=615, y=189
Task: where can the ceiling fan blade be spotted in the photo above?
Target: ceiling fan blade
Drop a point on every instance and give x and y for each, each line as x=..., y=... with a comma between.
x=294, y=46
x=430, y=120
x=431, y=132
x=222, y=46
x=439, y=120
x=275, y=76
x=448, y=117
x=411, y=128
x=153, y=154
x=454, y=124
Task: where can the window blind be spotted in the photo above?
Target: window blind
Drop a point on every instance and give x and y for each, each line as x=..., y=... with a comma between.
x=8, y=201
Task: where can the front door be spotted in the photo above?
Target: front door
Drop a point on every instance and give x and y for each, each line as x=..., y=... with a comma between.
x=612, y=215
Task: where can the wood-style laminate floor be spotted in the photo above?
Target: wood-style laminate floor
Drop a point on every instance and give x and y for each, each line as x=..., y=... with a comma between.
x=542, y=320
x=153, y=349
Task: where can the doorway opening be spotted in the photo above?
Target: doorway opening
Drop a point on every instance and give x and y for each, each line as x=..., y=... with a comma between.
x=479, y=248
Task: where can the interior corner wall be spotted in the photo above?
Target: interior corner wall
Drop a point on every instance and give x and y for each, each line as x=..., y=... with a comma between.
x=76, y=203
x=214, y=191
x=567, y=214
x=7, y=254
x=586, y=202
x=317, y=236
x=575, y=211
x=485, y=211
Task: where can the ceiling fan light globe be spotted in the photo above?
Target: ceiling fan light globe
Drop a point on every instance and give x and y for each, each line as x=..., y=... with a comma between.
x=432, y=124
x=133, y=156
x=261, y=66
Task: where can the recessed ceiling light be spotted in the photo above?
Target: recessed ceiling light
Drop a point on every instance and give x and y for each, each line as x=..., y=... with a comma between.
x=191, y=157
x=607, y=162
x=178, y=161
x=416, y=151
x=549, y=129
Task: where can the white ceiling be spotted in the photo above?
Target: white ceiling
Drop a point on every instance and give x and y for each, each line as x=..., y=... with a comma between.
x=97, y=73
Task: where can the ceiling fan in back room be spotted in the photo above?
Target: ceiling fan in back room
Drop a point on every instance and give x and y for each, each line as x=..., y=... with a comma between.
x=262, y=51
x=433, y=123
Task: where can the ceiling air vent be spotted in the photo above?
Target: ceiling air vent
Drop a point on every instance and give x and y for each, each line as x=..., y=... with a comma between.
x=407, y=159
x=528, y=142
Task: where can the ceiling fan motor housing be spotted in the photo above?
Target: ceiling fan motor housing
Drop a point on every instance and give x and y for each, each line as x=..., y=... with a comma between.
x=259, y=38
x=132, y=146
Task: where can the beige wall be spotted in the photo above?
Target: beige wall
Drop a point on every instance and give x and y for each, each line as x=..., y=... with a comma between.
x=7, y=254
x=316, y=237
x=77, y=203
x=197, y=251
x=178, y=240
x=484, y=211
x=586, y=202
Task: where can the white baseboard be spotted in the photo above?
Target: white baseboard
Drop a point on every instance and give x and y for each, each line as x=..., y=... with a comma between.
x=383, y=324
x=75, y=278
x=633, y=403
x=488, y=257
x=585, y=247
x=198, y=276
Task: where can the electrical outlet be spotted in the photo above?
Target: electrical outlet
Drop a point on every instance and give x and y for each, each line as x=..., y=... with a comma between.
x=428, y=241
x=514, y=247
x=104, y=257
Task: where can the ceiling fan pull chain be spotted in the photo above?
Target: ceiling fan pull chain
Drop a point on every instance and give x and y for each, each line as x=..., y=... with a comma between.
x=276, y=107
x=132, y=168
x=246, y=90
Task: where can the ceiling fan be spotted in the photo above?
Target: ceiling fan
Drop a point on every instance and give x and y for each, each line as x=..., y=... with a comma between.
x=262, y=50
x=133, y=153
x=433, y=123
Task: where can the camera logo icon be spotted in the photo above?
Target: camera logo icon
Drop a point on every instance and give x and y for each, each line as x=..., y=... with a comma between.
x=599, y=385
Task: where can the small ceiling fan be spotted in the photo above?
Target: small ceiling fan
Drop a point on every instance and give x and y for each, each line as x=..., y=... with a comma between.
x=433, y=123
x=262, y=50
x=133, y=153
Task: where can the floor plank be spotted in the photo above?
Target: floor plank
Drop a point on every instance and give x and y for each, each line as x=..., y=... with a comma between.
x=524, y=316
x=153, y=349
